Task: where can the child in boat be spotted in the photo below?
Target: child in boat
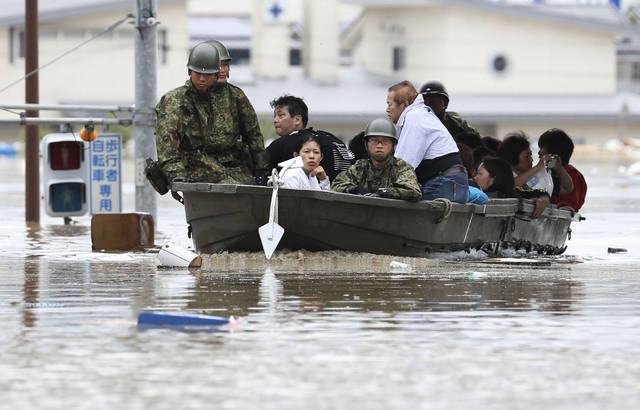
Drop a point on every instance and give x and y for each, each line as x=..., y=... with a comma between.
x=311, y=175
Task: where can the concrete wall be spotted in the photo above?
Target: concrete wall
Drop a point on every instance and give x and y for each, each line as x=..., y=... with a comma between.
x=458, y=46
x=582, y=133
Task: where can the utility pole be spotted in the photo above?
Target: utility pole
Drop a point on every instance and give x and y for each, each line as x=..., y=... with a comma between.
x=146, y=85
x=32, y=143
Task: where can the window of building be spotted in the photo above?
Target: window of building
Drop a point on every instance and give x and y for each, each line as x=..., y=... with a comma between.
x=635, y=71
x=499, y=64
x=163, y=46
x=398, y=58
x=16, y=44
x=295, y=57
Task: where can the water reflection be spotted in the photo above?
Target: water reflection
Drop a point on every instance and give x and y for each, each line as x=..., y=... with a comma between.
x=30, y=290
x=538, y=289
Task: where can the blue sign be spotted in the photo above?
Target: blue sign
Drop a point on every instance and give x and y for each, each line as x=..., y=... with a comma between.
x=274, y=11
x=106, y=174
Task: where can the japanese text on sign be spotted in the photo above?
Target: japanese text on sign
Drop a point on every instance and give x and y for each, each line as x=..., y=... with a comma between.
x=105, y=174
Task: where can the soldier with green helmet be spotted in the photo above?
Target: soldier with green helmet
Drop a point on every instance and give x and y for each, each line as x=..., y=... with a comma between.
x=208, y=131
x=382, y=174
x=437, y=97
x=225, y=60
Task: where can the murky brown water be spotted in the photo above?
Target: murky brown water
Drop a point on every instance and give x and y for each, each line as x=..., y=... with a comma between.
x=325, y=331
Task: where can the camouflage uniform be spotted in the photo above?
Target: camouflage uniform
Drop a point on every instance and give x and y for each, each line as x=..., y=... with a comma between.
x=397, y=176
x=210, y=136
x=455, y=124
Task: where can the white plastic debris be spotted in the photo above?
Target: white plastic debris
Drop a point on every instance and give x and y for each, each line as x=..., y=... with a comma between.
x=173, y=255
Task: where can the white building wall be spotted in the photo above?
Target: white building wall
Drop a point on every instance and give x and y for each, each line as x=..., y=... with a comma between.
x=320, y=54
x=269, y=45
x=457, y=46
x=102, y=71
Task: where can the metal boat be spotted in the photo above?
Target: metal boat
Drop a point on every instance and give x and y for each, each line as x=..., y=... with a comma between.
x=227, y=217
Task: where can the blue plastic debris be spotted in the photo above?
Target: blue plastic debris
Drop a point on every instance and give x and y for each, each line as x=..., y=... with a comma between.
x=180, y=319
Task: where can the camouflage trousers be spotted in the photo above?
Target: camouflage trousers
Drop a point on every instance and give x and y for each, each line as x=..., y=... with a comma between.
x=206, y=168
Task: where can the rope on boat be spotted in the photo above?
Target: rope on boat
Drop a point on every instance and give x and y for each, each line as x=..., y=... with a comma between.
x=448, y=207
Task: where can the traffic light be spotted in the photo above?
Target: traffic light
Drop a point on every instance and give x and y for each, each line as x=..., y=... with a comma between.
x=65, y=174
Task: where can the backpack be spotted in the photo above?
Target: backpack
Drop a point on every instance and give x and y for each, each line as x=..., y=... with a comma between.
x=337, y=156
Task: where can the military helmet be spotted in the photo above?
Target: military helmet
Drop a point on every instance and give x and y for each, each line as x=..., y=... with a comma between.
x=435, y=88
x=222, y=50
x=204, y=58
x=381, y=127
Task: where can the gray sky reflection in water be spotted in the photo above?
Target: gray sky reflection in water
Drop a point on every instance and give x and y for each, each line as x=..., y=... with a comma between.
x=446, y=334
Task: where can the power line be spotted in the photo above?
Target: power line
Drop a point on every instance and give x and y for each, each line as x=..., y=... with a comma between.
x=110, y=28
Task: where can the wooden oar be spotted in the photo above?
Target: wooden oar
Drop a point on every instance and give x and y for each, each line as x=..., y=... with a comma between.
x=271, y=232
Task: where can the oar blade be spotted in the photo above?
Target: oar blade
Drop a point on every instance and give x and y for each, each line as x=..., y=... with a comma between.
x=270, y=235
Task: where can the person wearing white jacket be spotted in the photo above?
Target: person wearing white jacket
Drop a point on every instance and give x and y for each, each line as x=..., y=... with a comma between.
x=310, y=175
x=425, y=143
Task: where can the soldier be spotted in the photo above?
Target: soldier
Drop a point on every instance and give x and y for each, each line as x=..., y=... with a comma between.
x=208, y=131
x=225, y=60
x=436, y=97
x=382, y=175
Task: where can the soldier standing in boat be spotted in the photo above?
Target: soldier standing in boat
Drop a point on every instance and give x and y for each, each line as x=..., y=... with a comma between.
x=382, y=174
x=437, y=98
x=207, y=131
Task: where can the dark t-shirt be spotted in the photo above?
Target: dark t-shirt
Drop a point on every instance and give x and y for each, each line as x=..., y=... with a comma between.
x=282, y=149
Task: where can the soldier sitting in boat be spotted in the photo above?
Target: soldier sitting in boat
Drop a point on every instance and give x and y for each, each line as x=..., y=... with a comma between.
x=290, y=116
x=207, y=131
x=382, y=174
x=436, y=97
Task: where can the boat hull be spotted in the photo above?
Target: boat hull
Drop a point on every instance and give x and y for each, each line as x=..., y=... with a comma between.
x=227, y=217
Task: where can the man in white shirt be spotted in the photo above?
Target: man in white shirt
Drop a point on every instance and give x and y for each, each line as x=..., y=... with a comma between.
x=425, y=143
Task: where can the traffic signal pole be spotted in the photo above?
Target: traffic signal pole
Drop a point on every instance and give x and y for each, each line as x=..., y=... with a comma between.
x=32, y=142
x=145, y=99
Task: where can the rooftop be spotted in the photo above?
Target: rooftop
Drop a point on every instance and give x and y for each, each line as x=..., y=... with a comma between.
x=360, y=96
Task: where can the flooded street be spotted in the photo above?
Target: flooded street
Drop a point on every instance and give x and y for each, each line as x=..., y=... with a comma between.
x=324, y=331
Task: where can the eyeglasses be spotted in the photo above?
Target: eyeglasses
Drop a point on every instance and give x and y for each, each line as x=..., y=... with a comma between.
x=376, y=141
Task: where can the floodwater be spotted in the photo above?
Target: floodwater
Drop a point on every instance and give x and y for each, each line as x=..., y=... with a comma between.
x=323, y=331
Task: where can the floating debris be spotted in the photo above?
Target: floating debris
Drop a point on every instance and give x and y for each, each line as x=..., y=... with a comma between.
x=616, y=250
x=187, y=321
x=173, y=255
